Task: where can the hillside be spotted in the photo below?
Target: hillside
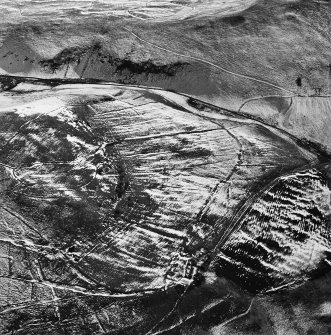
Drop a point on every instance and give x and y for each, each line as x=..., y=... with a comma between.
x=222, y=58
x=165, y=167
x=110, y=182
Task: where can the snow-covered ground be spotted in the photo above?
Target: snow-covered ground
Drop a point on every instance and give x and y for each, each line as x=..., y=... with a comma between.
x=137, y=9
x=107, y=184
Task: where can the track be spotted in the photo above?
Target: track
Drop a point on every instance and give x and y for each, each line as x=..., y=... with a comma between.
x=267, y=83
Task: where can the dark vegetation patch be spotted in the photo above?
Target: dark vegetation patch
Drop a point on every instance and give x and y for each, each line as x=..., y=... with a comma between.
x=10, y=122
x=196, y=104
x=66, y=56
x=298, y=81
x=8, y=83
x=251, y=280
x=317, y=148
x=20, y=321
x=123, y=181
x=70, y=55
x=67, y=218
x=205, y=25
x=204, y=106
x=146, y=67
x=151, y=148
x=210, y=219
x=321, y=270
x=324, y=318
x=77, y=55
x=234, y=20
x=134, y=206
x=57, y=147
x=191, y=153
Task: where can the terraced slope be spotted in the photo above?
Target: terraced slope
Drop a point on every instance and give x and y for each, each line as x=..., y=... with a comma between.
x=284, y=234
